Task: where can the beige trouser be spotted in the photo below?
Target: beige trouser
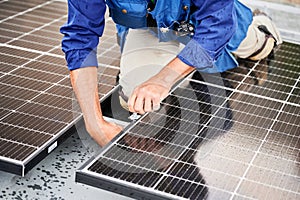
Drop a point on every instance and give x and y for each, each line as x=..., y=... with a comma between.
x=144, y=56
x=255, y=39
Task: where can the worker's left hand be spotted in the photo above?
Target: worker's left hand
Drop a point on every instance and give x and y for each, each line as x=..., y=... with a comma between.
x=147, y=97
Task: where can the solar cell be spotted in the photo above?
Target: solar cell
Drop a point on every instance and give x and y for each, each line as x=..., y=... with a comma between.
x=217, y=136
x=37, y=105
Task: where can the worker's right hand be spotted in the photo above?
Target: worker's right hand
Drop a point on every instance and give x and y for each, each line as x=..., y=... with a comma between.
x=103, y=132
x=84, y=83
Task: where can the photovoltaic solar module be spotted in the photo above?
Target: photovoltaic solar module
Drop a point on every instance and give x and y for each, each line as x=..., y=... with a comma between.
x=217, y=136
x=36, y=99
x=221, y=136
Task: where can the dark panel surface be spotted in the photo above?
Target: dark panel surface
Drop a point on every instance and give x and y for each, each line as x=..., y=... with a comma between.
x=37, y=105
x=220, y=136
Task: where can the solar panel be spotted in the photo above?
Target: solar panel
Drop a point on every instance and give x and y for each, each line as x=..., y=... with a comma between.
x=37, y=109
x=217, y=136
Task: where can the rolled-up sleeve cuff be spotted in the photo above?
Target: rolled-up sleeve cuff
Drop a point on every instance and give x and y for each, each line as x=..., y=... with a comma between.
x=81, y=58
x=194, y=55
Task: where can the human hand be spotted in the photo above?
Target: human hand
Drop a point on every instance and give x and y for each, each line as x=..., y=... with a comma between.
x=103, y=132
x=147, y=97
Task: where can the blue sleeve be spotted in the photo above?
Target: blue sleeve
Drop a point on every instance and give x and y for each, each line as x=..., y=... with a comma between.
x=82, y=31
x=215, y=24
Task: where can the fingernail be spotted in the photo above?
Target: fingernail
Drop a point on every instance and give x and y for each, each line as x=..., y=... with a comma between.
x=156, y=107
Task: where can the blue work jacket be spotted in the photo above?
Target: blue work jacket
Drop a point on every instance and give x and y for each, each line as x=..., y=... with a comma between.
x=220, y=26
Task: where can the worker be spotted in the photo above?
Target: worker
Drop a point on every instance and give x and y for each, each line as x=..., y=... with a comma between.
x=161, y=41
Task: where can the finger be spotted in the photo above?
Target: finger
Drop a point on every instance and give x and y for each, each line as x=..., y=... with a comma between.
x=148, y=105
x=131, y=102
x=156, y=107
x=156, y=102
x=139, y=105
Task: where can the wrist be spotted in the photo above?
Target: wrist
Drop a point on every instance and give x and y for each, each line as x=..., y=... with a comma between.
x=171, y=73
x=93, y=119
x=179, y=68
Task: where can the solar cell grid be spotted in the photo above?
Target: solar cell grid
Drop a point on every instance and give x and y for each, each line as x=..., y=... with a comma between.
x=15, y=28
x=14, y=8
x=33, y=138
x=13, y=60
x=14, y=150
x=63, y=103
x=34, y=18
x=24, y=23
x=47, y=34
x=37, y=75
x=32, y=122
x=235, y=137
x=37, y=39
x=18, y=53
x=57, y=51
x=47, y=112
x=28, y=45
x=37, y=103
x=46, y=67
x=52, y=60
